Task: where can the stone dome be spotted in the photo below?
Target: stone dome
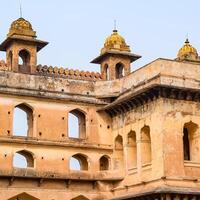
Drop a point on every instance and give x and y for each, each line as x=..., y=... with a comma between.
x=21, y=27
x=115, y=42
x=187, y=52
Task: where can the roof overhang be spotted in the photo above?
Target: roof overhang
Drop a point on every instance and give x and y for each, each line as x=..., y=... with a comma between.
x=153, y=193
x=100, y=58
x=39, y=43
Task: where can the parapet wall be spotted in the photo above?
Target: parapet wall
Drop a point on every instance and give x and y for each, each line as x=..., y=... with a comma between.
x=60, y=72
x=161, y=71
x=92, y=84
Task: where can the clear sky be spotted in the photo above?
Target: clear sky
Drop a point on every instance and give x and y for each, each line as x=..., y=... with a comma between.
x=76, y=29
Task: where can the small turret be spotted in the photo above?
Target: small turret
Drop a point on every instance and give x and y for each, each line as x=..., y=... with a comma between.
x=21, y=44
x=115, y=57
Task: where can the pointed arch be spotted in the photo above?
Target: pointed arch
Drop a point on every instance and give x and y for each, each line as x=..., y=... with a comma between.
x=106, y=72
x=119, y=142
x=132, y=150
x=23, y=159
x=145, y=145
x=119, y=70
x=118, y=153
x=25, y=106
x=24, y=56
x=80, y=160
x=191, y=141
x=77, y=124
x=23, y=120
x=104, y=163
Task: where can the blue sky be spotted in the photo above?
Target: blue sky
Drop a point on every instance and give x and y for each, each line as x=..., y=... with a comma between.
x=76, y=29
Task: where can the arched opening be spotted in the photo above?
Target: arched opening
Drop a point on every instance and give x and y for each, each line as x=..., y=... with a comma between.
x=132, y=150
x=80, y=197
x=145, y=145
x=119, y=143
x=23, y=121
x=118, y=153
x=10, y=59
x=23, y=159
x=186, y=144
x=74, y=164
x=104, y=163
x=76, y=124
x=191, y=142
x=119, y=70
x=78, y=162
x=106, y=71
x=24, y=61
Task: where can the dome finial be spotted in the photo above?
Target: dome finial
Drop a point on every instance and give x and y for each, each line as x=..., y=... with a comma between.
x=187, y=41
x=20, y=8
x=115, y=26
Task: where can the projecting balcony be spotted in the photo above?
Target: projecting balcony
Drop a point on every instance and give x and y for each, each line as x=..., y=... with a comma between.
x=64, y=143
x=31, y=173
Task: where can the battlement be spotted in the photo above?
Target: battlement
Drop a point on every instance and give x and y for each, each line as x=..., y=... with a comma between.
x=68, y=73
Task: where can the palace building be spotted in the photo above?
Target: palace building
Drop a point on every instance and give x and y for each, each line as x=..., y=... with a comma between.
x=138, y=132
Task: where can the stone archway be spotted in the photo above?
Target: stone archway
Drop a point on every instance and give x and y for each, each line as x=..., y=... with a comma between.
x=23, y=196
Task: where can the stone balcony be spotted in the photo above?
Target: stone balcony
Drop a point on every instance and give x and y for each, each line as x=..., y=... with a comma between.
x=31, y=173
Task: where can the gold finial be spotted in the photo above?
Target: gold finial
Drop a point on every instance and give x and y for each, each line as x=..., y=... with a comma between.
x=187, y=41
x=20, y=8
x=115, y=26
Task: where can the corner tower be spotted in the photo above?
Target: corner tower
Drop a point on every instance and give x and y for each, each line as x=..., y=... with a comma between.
x=115, y=57
x=21, y=47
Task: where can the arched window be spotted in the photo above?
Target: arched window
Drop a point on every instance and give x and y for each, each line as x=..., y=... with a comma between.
x=74, y=164
x=119, y=143
x=145, y=145
x=76, y=124
x=106, y=71
x=78, y=162
x=23, y=159
x=104, y=163
x=186, y=144
x=132, y=150
x=23, y=121
x=191, y=142
x=118, y=153
x=119, y=70
x=80, y=197
x=24, y=61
